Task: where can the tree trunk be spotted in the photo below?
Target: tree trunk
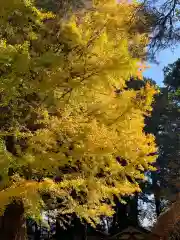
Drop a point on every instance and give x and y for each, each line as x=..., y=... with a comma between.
x=133, y=211
x=62, y=233
x=158, y=205
x=85, y=232
x=119, y=218
x=37, y=233
x=157, y=192
x=13, y=223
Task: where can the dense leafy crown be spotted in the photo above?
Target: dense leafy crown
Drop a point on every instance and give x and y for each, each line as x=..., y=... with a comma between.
x=69, y=127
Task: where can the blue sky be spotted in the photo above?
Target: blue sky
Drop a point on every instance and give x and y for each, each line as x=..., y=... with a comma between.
x=165, y=57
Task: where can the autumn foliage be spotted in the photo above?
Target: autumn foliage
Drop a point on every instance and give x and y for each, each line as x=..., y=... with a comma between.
x=67, y=119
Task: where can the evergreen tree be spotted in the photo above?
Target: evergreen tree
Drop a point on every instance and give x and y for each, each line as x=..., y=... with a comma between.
x=164, y=124
x=171, y=145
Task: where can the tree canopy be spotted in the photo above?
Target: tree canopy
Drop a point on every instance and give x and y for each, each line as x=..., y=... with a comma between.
x=70, y=129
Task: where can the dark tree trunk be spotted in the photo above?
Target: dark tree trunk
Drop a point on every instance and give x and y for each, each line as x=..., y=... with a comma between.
x=120, y=217
x=125, y=214
x=85, y=232
x=62, y=233
x=76, y=230
x=133, y=211
x=156, y=190
x=158, y=205
x=13, y=223
x=37, y=234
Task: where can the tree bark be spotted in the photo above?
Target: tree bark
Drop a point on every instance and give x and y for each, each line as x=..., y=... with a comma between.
x=85, y=232
x=119, y=218
x=13, y=223
x=133, y=211
x=157, y=193
x=158, y=205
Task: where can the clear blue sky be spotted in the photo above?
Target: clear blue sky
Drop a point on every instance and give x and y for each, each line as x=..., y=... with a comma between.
x=165, y=57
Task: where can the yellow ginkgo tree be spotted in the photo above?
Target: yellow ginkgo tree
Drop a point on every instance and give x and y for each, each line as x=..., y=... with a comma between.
x=69, y=127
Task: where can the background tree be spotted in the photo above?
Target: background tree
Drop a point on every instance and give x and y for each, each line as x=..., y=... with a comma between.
x=165, y=125
x=172, y=81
